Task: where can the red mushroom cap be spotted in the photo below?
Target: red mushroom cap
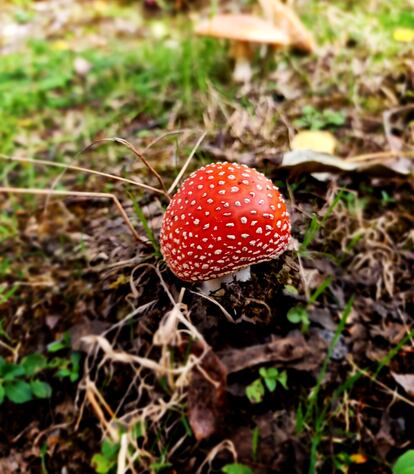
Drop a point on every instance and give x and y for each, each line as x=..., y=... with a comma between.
x=224, y=217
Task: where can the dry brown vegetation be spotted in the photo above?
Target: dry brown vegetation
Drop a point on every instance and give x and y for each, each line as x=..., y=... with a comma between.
x=163, y=369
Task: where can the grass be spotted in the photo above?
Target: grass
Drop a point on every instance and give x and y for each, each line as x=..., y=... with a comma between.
x=315, y=417
x=121, y=84
x=50, y=110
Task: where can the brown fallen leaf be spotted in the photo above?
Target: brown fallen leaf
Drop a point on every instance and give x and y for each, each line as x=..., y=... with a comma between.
x=309, y=161
x=291, y=351
x=85, y=328
x=206, y=396
x=406, y=381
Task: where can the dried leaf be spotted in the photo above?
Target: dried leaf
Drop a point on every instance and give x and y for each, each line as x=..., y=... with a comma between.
x=292, y=351
x=316, y=140
x=404, y=35
x=406, y=381
x=310, y=161
x=206, y=396
x=359, y=458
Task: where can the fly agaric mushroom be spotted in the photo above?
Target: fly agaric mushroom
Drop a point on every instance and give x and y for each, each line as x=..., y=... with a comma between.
x=224, y=217
x=243, y=30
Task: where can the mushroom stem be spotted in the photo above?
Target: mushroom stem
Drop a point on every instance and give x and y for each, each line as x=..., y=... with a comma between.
x=241, y=53
x=213, y=285
x=243, y=275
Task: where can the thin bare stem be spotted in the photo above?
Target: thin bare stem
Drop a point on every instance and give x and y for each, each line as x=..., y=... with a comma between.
x=165, y=135
x=48, y=192
x=381, y=155
x=85, y=170
x=139, y=155
x=185, y=166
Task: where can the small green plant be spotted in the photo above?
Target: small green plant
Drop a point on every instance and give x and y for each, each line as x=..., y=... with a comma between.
x=299, y=314
x=405, y=463
x=314, y=119
x=67, y=368
x=19, y=382
x=236, y=468
x=255, y=391
x=148, y=231
x=316, y=224
x=270, y=377
x=106, y=460
x=255, y=442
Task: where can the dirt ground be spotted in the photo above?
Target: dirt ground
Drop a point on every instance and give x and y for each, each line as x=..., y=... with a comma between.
x=145, y=372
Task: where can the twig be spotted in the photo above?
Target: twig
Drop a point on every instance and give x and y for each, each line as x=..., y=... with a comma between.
x=139, y=155
x=84, y=170
x=47, y=192
x=382, y=385
x=212, y=300
x=185, y=166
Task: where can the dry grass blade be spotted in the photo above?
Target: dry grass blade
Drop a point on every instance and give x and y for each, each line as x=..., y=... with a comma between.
x=84, y=170
x=186, y=164
x=166, y=135
x=91, y=396
x=227, y=445
x=382, y=155
x=212, y=300
x=139, y=155
x=387, y=389
x=49, y=192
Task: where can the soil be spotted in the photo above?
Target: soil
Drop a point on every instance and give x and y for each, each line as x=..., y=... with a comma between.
x=81, y=273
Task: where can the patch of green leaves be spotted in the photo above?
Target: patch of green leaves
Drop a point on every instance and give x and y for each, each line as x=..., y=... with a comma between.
x=255, y=391
x=272, y=377
x=314, y=119
x=236, y=468
x=106, y=460
x=299, y=314
x=405, y=463
x=19, y=382
x=269, y=378
x=6, y=293
x=63, y=343
x=67, y=368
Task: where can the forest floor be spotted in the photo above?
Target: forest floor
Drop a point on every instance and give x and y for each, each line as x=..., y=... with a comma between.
x=108, y=362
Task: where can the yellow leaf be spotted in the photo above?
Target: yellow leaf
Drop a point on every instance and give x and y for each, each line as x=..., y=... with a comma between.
x=60, y=45
x=358, y=458
x=26, y=122
x=404, y=35
x=315, y=140
x=121, y=280
x=100, y=7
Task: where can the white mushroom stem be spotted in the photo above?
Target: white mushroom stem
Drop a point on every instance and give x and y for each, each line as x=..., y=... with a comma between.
x=241, y=53
x=213, y=285
x=243, y=275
